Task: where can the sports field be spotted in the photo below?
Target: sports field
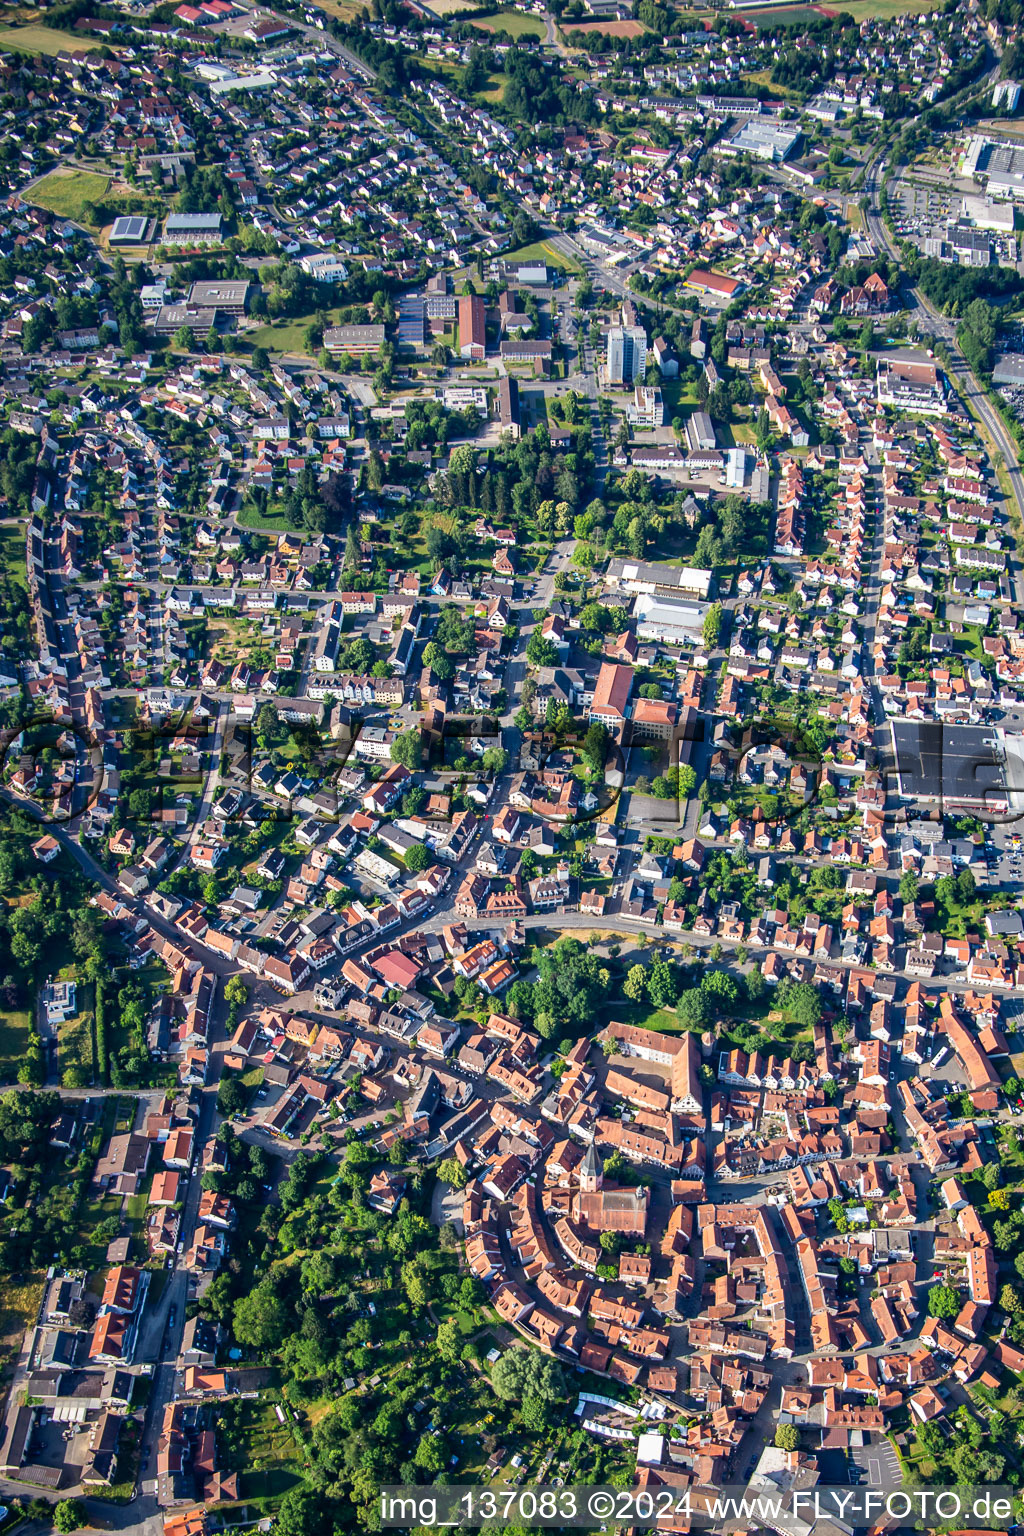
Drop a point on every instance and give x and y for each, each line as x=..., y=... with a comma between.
x=36, y=39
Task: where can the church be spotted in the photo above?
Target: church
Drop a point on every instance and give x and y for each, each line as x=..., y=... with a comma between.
x=607, y=1208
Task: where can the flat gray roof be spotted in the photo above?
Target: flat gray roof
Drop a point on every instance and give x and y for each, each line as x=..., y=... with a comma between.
x=955, y=763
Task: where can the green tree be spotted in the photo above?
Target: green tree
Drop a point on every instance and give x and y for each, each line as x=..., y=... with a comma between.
x=787, y=1437
x=68, y=1515
x=943, y=1301
x=694, y=1009
x=418, y=859
x=635, y=984
x=451, y=1171
x=261, y=1318
x=236, y=992
x=712, y=626
x=407, y=749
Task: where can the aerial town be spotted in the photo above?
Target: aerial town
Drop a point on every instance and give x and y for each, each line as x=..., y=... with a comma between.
x=512, y=773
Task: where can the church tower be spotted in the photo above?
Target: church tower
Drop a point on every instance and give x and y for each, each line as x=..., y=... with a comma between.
x=591, y=1172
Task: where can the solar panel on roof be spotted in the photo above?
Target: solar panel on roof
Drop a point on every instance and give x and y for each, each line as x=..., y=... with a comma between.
x=128, y=228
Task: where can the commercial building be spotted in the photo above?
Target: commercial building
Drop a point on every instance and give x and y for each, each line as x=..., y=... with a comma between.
x=626, y=357
x=721, y=290
x=472, y=326
x=959, y=767
x=356, y=340
x=1009, y=369
x=228, y=298
x=987, y=214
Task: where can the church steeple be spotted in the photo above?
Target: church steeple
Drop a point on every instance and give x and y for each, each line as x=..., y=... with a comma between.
x=591, y=1171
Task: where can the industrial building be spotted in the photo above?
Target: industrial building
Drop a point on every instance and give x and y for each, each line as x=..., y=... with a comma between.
x=764, y=139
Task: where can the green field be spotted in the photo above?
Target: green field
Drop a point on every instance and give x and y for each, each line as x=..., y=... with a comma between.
x=515, y=23
x=44, y=40
x=542, y=250
x=248, y=517
x=15, y=1027
x=67, y=192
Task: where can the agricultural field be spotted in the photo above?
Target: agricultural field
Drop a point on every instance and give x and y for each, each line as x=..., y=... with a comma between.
x=45, y=40
x=67, y=192
x=780, y=16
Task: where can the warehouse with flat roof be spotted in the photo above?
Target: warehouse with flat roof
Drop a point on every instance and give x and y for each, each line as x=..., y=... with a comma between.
x=762, y=138
x=960, y=767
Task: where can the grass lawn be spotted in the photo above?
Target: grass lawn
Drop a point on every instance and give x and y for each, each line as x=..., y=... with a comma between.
x=14, y=1032
x=515, y=23
x=763, y=80
x=495, y=88
x=67, y=192
x=288, y=336
x=36, y=39
x=273, y=522
x=664, y=1020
